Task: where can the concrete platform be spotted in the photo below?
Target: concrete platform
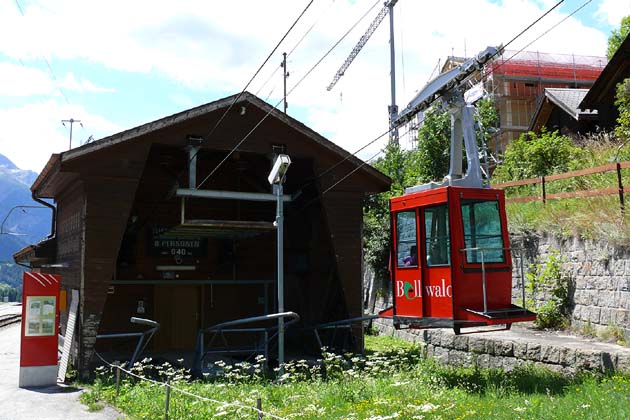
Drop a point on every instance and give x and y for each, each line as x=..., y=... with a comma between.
x=48, y=403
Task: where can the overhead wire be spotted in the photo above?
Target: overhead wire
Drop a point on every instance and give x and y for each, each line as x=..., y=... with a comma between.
x=288, y=93
x=295, y=47
x=253, y=77
x=374, y=140
x=45, y=60
x=547, y=31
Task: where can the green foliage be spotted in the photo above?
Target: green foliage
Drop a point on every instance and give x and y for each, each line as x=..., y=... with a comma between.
x=488, y=117
x=398, y=165
x=617, y=36
x=533, y=155
x=622, y=100
x=7, y=291
x=431, y=159
x=397, y=384
x=550, y=280
x=11, y=274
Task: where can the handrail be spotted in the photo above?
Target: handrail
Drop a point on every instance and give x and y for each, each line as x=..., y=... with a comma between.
x=200, y=351
x=295, y=318
x=519, y=251
x=336, y=324
x=144, y=337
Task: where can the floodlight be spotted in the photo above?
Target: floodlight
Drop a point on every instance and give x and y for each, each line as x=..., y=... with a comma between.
x=280, y=167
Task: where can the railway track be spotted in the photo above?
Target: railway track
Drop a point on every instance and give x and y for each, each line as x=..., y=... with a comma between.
x=9, y=319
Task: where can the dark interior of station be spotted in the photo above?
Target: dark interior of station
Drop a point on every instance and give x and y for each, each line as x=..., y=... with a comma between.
x=191, y=263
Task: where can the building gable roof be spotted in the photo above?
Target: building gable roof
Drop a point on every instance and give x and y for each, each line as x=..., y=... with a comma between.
x=181, y=117
x=602, y=93
x=567, y=100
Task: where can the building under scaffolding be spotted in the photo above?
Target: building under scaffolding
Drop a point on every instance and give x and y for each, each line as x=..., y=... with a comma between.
x=517, y=81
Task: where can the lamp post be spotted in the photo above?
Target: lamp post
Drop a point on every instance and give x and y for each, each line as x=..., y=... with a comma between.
x=276, y=178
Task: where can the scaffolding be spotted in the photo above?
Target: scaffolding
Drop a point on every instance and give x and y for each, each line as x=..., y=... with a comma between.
x=517, y=81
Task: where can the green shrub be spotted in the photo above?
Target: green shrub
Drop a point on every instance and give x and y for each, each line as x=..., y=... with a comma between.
x=554, y=311
x=533, y=155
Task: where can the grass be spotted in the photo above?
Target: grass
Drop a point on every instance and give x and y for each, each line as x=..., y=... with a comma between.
x=597, y=218
x=396, y=384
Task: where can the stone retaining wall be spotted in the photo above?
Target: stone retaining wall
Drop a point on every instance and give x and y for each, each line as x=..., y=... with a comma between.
x=600, y=299
x=599, y=277
x=509, y=349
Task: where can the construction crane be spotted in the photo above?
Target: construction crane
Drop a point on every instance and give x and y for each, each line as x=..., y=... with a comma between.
x=388, y=8
x=364, y=39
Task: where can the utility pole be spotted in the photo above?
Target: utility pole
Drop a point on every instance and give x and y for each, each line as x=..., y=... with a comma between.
x=285, y=75
x=393, y=108
x=71, y=121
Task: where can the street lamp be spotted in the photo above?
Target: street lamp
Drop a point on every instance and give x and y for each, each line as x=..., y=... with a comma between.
x=276, y=178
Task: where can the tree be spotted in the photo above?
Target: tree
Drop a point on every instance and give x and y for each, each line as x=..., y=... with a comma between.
x=622, y=100
x=617, y=36
x=395, y=164
x=431, y=159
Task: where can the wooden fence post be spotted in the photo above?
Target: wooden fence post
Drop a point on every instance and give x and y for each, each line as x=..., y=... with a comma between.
x=259, y=407
x=544, y=190
x=167, y=401
x=117, y=380
x=620, y=185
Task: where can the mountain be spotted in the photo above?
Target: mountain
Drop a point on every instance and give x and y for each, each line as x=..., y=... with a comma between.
x=22, y=226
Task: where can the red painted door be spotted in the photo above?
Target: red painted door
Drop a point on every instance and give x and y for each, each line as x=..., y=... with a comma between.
x=437, y=286
x=408, y=267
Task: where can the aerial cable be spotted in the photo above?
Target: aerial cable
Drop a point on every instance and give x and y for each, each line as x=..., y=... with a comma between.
x=547, y=31
x=508, y=43
x=45, y=60
x=288, y=93
x=532, y=24
x=362, y=164
x=252, y=78
x=295, y=47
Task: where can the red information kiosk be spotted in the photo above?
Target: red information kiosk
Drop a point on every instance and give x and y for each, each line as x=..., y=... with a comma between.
x=40, y=329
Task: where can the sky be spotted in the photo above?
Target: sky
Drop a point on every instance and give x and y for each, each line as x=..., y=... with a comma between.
x=118, y=64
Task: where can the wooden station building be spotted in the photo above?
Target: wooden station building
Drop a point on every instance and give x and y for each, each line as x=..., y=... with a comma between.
x=138, y=233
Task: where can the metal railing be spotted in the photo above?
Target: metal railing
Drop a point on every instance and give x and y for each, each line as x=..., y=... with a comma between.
x=334, y=325
x=143, y=337
x=512, y=251
x=218, y=330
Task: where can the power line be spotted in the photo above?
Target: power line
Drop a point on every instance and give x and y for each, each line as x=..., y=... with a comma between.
x=48, y=65
x=295, y=47
x=254, y=76
x=278, y=103
x=547, y=31
x=374, y=140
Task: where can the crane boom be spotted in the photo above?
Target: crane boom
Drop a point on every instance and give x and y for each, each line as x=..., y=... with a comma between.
x=364, y=39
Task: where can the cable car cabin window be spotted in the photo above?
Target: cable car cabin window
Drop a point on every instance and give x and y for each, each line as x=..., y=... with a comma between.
x=482, y=229
x=406, y=240
x=438, y=236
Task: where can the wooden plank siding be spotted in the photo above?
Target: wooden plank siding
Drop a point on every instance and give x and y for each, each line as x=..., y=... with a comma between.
x=342, y=208
x=124, y=193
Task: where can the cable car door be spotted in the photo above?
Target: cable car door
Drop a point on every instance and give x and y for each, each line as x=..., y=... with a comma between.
x=437, y=284
x=407, y=274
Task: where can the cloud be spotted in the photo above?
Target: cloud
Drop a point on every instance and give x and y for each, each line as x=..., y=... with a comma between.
x=83, y=85
x=613, y=10
x=213, y=48
x=32, y=132
x=23, y=80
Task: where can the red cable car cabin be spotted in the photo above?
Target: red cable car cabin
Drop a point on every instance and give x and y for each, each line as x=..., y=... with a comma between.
x=452, y=265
